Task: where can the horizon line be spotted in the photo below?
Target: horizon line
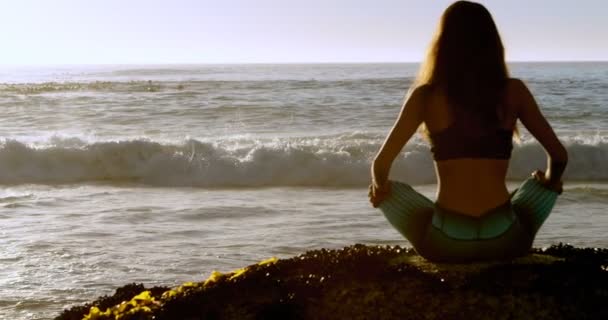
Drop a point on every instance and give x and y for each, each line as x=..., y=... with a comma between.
x=268, y=63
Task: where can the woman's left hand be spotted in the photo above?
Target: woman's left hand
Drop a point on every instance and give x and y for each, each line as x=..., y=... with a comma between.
x=541, y=177
x=377, y=194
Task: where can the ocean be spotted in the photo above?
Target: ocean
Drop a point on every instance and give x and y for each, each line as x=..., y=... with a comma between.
x=162, y=173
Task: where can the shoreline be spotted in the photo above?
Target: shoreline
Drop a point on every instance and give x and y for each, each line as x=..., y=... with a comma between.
x=377, y=282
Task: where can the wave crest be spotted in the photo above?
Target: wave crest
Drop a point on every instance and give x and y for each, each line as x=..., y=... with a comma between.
x=342, y=161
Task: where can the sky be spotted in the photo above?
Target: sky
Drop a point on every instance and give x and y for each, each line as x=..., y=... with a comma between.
x=39, y=32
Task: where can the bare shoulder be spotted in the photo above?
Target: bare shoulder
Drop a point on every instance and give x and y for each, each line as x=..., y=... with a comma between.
x=516, y=86
x=516, y=94
x=414, y=106
x=421, y=91
x=419, y=95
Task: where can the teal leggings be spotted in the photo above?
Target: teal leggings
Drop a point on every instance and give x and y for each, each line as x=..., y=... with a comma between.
x=447, y=236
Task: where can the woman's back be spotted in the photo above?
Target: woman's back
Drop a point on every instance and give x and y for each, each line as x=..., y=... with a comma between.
x=474, y=216
x=470, y=183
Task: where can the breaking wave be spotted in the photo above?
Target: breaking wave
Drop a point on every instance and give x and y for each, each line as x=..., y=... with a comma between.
x=315, y=162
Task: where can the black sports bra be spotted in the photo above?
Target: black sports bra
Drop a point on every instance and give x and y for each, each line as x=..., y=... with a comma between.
x=457, y=142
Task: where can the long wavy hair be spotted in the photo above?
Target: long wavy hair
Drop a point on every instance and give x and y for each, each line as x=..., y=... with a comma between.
x=466, y=61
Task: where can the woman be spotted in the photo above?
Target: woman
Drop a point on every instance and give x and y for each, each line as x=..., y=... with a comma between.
x=467, y=107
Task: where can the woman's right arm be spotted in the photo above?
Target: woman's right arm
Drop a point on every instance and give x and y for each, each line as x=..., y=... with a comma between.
x=408, y=121
x=531, y=117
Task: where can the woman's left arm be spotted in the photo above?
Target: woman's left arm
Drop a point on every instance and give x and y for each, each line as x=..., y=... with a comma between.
x=408, y=121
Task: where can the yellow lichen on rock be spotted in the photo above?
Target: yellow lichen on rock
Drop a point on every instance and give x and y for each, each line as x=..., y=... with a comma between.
x=95, y=314
x=237, y=273
x=143, y=303
x=189, y=284
x=214, y=277
x=269, y=261
x=180, y=290
x=144, y=296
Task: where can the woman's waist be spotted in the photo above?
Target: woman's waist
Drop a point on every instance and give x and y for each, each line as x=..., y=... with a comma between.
x=472, y=199
x=476, y=168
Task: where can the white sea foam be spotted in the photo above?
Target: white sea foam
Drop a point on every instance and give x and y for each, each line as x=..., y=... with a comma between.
x=339, y=161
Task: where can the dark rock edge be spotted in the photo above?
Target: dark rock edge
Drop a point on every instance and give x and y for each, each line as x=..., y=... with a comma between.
x=389, y=282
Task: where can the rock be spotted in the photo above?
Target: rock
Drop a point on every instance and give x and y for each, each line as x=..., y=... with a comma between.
x=373, y=282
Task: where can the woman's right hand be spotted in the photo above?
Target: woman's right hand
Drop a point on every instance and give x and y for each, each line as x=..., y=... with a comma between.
x=377, y=194
x=541, y=177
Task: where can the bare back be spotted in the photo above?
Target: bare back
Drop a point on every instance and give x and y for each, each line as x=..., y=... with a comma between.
x=471, y=186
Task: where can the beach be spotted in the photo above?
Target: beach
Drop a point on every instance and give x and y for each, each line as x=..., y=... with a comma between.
x=159, y=174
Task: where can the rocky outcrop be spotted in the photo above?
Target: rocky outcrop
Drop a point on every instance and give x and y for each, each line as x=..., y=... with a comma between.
x=372, y=282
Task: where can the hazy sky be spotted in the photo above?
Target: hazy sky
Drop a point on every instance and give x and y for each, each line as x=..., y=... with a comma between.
x=218, y=31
